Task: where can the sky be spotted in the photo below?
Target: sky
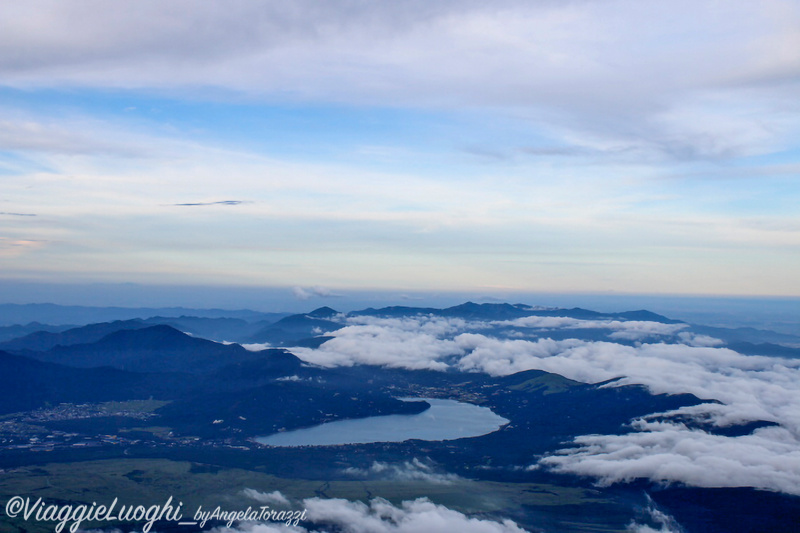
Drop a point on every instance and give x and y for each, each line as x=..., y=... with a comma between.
x=620, y=146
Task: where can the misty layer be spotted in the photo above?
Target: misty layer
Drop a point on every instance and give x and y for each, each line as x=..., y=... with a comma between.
x=669, y=447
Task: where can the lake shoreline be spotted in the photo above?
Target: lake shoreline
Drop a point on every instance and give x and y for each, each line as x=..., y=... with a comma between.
x=442, y=420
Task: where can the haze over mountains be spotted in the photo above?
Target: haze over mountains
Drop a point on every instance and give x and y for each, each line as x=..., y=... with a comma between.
x=246, y=326
x=80, y=315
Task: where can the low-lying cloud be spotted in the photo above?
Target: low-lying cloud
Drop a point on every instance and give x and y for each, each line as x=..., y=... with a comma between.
x=620, y=329
x=380, y=516
x=655, y=517
x=740, y=389
x=256, y=346
x=769, y=458
x=414, y=470
x=413, y=343
x=270, y=498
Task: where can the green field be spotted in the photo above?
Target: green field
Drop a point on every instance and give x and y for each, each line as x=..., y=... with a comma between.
x=152, y=481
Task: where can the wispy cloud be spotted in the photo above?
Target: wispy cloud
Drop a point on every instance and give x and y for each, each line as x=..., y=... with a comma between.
x=655, y=518
x=221, y=202
x=306, y=293
x=73, y=135
x=18, y=214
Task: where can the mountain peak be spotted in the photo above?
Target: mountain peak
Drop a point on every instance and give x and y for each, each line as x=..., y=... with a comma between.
x=323, y=312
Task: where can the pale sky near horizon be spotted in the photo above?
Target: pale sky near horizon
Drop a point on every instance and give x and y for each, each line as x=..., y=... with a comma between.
x=633, y=146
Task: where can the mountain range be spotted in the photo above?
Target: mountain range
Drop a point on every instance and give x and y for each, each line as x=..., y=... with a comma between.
x=205, y=401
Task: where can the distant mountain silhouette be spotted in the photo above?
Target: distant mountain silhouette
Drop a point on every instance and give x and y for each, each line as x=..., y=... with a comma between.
x=471, y=310
x=40, y=337
x=765, y=348
x=646, y=316
x=151, y=349
x=504, y=311
x=396, y=311
x=323, y=312
x=8, y=333
x=217, y=329
x=41, y=341
x=745, y=334
x=79, y=315
x=293, y=328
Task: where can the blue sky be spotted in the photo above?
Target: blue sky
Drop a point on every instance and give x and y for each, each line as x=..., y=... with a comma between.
x=586, y=146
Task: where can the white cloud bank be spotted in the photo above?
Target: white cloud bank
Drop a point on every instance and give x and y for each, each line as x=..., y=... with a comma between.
x=414, y=470
x=272, y=498
x=657, y=517
x=669, y=452
x=380, y=516
x=744, y=388
x=621, y=330
x=414, y=343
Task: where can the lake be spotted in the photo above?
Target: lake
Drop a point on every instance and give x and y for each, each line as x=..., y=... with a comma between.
x=444, y=420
